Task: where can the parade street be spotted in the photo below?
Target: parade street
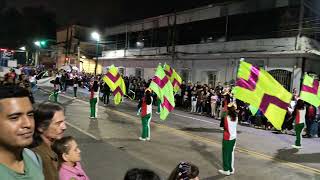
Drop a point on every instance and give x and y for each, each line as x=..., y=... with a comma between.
x=110, y=144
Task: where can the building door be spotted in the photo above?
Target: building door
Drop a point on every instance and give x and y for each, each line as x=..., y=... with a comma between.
x=283, y=77
x=212, y=78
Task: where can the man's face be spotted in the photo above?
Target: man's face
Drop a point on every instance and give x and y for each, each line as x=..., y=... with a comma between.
x=16, y=122
x=56, y=128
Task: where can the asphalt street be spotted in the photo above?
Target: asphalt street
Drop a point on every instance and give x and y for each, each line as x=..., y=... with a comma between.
x=110, y=144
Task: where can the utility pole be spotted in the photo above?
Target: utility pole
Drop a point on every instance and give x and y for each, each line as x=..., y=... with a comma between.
x=301, y=16
x=173, y=39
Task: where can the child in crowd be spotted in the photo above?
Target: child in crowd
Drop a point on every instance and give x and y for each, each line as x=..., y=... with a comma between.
x=193, y=102
x=185, y=171
x=186, y=100
x=69, y=158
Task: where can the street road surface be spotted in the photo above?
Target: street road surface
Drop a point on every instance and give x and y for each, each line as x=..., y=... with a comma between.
x=110, y=144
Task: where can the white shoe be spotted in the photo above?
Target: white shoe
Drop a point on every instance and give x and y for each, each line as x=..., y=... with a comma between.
x=297, y=147
x=227, y=173
x=148, y=139
x=232, y=171
x=157, y=113
x=142, y=139
x=222, y=129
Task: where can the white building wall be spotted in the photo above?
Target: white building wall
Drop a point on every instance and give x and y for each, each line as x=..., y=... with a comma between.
x=130, y=71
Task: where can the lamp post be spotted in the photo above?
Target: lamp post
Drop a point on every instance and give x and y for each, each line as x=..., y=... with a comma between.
x=36, y=58
x=96, y=36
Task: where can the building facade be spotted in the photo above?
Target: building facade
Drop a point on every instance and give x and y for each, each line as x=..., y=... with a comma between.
x=205, y=44
x=74, y=47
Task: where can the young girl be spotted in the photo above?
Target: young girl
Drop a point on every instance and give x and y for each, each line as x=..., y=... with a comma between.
x=94, y=94
x=69, y=158
x=145, y=110
x=229, y=140
x=299, y=114
x=185, y=171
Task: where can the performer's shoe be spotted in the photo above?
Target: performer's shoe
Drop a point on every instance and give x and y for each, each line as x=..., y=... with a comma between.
x=142, y=139
x=148, y=139
x=297, y=147
x=232, y=172
x=227, y=173
x=157, y=112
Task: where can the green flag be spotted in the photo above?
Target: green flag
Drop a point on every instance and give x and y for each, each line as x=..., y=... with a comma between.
x=162, y=86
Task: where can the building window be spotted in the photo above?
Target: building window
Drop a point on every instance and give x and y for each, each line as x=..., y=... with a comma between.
x=121, y=70
x=212, y=78
x=139, y=72
x=283, y=77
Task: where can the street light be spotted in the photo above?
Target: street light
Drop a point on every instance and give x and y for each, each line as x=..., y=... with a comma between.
x=23, y=48
x=37, y=43
x=96, y=36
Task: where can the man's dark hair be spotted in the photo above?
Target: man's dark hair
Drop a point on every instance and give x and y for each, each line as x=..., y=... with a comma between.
x=141, y=174
x=13, y=91
x=43, y=115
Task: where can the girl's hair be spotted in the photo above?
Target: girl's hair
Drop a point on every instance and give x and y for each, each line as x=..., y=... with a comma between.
x=60, y=146
x=232, y=113
x=299, y=105
x=148, y=97
x=141, y=174
x=185, y=171
x=95, y=86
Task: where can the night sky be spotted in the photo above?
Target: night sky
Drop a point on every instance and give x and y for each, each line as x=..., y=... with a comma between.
x=107, y=12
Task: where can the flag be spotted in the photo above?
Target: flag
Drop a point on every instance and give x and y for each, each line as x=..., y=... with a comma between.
x=258, y=88
x=310, y=91
x=162, y=86
x=116, y=83
x=174, y=77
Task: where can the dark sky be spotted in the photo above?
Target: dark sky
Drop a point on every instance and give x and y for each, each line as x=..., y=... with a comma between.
x=108, y=12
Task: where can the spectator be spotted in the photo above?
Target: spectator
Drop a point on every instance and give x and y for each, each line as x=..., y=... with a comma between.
x=186, y=101
x=17, y=128
x=69, y=159
x=312, y=124
x=106, y=93
x=193, y=102
x=185, y=171
x=75, y=86
x=213, y=103
x=50, y=126
x=141, y=174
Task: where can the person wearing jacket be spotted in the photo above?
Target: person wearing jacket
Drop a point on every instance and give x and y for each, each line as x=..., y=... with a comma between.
x=145, y=111
x=229, y=139
x=299, y=115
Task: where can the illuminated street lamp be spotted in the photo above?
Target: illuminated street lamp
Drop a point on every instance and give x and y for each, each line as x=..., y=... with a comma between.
x=37, y=43
x=96, y=36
